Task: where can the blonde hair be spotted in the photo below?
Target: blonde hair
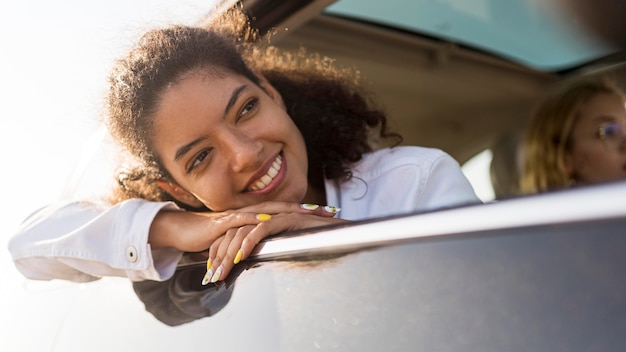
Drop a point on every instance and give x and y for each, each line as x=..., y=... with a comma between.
x=548, y=137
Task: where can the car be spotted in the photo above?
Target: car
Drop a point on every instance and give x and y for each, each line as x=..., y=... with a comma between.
x=525, y=273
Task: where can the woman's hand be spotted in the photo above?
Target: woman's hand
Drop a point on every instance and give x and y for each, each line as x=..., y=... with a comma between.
x=233, y=234
x=237, y=244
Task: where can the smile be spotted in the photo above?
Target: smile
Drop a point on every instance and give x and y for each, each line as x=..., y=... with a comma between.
x=266, y=179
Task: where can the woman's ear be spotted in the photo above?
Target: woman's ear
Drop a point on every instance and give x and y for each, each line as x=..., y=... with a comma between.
x=179, y=193
x=270, y=90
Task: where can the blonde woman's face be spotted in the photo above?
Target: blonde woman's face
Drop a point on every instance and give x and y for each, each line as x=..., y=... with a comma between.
x=227, y=143
x=598, y=148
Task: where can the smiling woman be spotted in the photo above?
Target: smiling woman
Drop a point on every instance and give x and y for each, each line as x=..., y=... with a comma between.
x=225, y=141
x=242, y=134
x=490, y=277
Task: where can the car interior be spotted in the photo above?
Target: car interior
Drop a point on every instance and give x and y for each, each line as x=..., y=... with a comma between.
x=437, y=93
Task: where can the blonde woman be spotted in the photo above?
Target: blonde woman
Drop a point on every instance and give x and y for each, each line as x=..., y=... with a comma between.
x=576, y=136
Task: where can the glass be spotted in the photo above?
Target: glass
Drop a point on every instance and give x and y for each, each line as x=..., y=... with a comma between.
x=613, y=135
x=525, y=31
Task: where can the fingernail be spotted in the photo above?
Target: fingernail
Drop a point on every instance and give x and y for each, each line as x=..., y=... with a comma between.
x=217, y=274
x=207, y=277
x=331, y=209
x=309, y=206
x=238, y=257
x=209, y=264
x=263, y=217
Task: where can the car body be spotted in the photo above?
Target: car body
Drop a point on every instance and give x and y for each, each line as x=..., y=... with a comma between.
x=532, y=273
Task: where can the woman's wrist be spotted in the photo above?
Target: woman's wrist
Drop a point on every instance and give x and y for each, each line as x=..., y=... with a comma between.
x=162, y=227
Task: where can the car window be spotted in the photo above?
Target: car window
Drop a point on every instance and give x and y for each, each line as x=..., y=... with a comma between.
x=529, y=32
x=477, y=172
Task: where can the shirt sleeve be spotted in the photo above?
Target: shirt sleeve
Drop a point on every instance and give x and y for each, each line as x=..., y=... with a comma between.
x=82, y=241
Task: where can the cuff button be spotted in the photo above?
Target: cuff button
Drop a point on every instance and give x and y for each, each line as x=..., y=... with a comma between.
x=131, y=254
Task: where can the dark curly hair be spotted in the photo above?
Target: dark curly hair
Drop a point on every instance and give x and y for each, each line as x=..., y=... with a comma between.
x=335, y=116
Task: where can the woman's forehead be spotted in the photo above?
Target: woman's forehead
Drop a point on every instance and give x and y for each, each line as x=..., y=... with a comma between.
x=200, y=90
x=603, y=106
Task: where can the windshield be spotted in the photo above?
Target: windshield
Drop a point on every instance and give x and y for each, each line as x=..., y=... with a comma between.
x=526, y=31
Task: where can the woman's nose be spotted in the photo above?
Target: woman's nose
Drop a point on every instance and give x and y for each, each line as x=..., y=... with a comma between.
x=245, y=153
x=621, y=138
x=621, y=146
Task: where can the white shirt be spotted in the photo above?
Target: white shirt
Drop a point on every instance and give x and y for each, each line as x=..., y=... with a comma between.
x=81, y=241
x=400, y=180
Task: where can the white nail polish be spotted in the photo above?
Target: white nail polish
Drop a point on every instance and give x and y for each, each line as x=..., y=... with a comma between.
x=309, y=206
x=331, y=209
x=217, y=274
x=207, y=277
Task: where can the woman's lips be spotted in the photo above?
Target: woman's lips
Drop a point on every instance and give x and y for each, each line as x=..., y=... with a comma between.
x=262, y=182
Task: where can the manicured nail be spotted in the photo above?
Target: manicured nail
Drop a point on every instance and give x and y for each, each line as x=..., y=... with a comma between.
x=263, y=217
x=309, y=206
x=331, y=209
x=217, y=274
x=207, y=277
x=238, y=257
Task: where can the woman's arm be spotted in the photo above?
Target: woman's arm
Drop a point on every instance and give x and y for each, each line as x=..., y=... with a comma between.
x=82, y=241
x=141, y=240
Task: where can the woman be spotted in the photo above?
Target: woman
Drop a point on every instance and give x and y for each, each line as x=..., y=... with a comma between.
x=576, y=137
x=248, y=141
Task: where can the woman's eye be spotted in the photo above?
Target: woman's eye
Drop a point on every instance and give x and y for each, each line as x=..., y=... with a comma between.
x=610, y=130
x=248, y=107
x=197, y=160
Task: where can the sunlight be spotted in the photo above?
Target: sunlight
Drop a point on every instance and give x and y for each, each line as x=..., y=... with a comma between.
x=56, y=56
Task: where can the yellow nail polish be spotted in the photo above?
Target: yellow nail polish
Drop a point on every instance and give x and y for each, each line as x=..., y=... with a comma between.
x=217, y=274
x=263, y=217
x=238, y=257
x=209, y=264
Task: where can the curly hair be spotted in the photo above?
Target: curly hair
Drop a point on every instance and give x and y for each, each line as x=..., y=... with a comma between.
x=336, y=117
x=549, y=134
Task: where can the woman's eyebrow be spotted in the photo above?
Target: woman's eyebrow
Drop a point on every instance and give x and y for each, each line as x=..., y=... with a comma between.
x=605, y=118
x=186, y=148
x=231, y=102
x=233, y=98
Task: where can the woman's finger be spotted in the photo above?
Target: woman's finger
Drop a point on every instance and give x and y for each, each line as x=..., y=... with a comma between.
x=281, y=223
x=237, y=244
x=231, y=254
x=290, y=207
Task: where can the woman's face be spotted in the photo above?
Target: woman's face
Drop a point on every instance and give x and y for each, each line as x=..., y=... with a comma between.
x=228, y=143
x=598, y=149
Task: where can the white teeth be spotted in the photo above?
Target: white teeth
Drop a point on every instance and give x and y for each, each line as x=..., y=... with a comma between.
x=271, y=173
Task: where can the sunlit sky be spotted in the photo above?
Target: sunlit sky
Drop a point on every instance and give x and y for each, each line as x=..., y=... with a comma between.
x=54, y=60
x=53, y=67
